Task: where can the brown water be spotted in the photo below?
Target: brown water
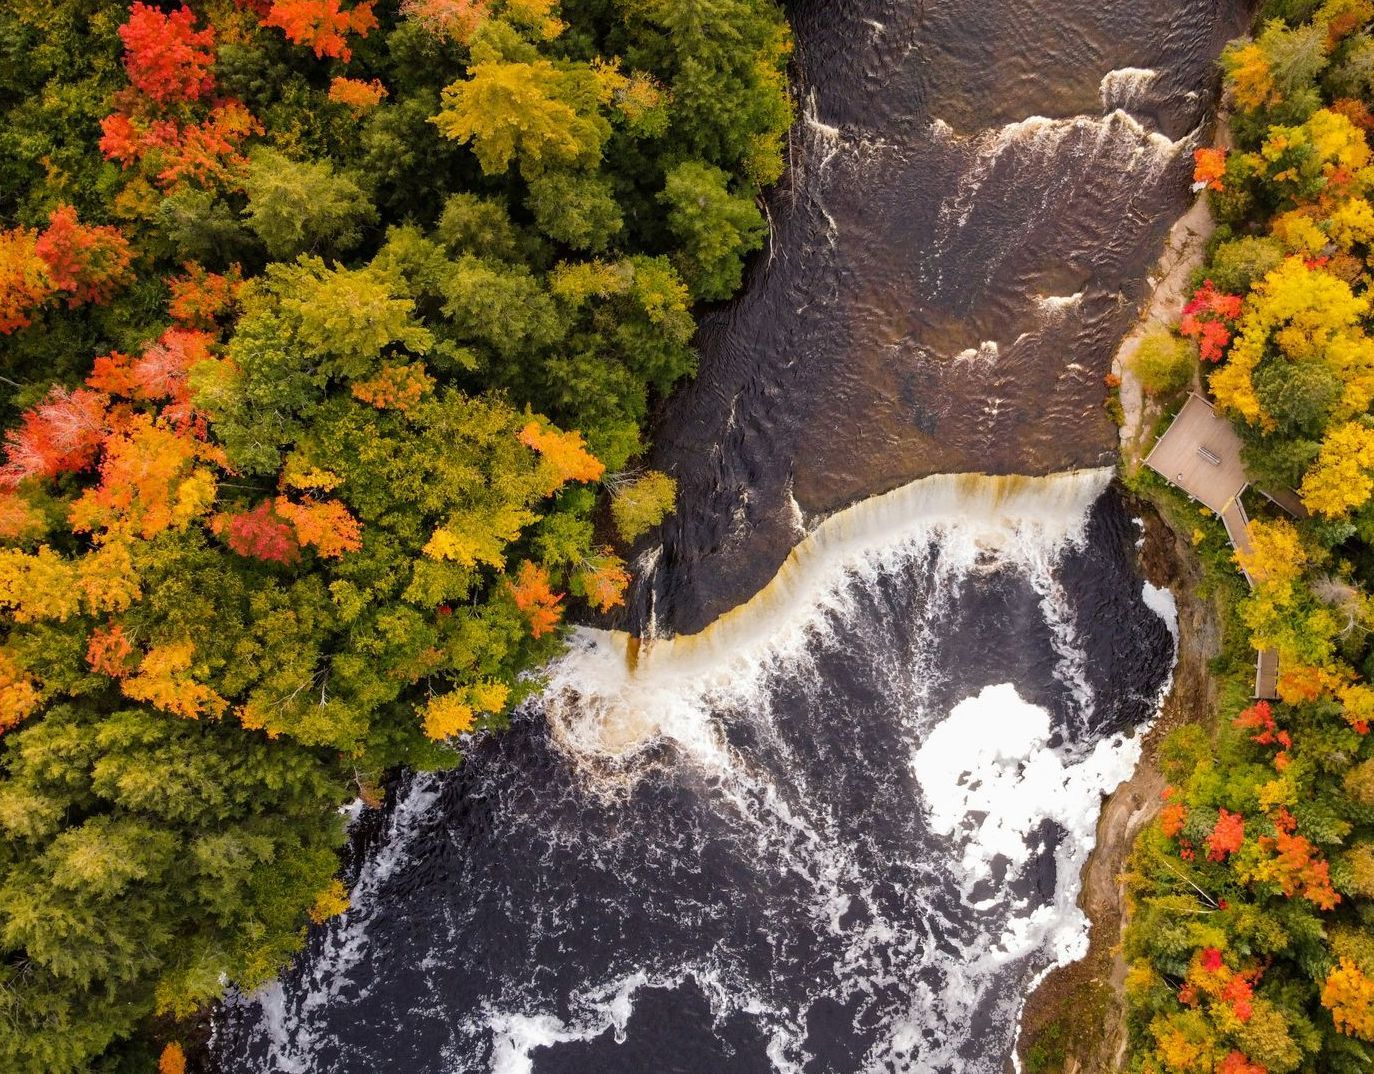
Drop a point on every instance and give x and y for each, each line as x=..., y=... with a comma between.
x=841, y=830
x=978, y=191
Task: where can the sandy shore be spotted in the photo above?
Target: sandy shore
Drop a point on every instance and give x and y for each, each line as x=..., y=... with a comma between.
x=1185, y=250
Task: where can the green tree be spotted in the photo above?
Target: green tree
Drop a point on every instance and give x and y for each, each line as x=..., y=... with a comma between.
x=304, y=206
x=577, y=210
x=639, y=502
x=1163, y=362
x=714, y=229
x=1239, y=264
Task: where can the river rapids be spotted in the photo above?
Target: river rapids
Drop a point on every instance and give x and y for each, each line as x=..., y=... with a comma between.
x=823, y=807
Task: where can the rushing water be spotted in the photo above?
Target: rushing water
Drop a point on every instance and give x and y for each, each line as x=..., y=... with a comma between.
x=978, y=189
x=839, y=829
x=840, y=832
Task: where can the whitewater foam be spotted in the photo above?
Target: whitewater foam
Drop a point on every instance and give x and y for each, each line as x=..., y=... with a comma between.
x=612, y=695
x=1126, y=87
x=920, y=938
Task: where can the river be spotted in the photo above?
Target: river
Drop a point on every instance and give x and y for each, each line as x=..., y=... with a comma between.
x=829, y=816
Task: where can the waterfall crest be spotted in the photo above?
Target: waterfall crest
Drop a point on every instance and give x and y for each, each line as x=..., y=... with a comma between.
x=613, y=694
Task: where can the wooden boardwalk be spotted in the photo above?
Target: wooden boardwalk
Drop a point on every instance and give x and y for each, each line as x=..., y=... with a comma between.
x=1267, y=675
x=1200, y=453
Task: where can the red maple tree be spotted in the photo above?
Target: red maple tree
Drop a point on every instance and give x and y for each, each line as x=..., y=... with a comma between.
x=1226, y=837
x=166, y=58
x=199, y=297
x=62, y=433
x=261, y=534
x=1208, y=318
x=88, y=262
x=321, y=24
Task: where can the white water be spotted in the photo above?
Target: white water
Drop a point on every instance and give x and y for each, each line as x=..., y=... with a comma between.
x=983, y=775
x=1125, y=87
x=288, y=1026
x=986, y=769
x=605, y=702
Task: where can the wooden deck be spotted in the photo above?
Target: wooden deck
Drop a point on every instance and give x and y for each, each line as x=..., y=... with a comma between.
x=1200, y=453
x=1286, y=499
x=1238, y=529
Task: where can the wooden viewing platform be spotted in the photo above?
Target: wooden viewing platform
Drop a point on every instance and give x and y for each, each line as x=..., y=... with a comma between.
x=1200, y=454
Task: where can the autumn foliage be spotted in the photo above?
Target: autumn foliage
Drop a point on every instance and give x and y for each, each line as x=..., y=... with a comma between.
x=1349, y=995
x=1209, y=318
x=356, y=94
x=166, y=124
x=532, y=595
x=110, y=652
x=166, y=58
x=448, y=20
x=309, y=425
x=565, y=455
x=19, y=696
x=24, y=281
x=603, y=581
x=172, y=1060
x=262, y=534
x=199, y=297
x=1266, y=829
x=1209, y=166
x=86, y=263
x=76, y=262
x=322, y=25
x=63, y=433
x=1227, y=836
x=207, y=153
x=324, y=525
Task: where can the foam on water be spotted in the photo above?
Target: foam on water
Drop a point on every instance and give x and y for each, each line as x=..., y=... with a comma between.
x=921, y=905
x=991, y=778
x=1126, y=87
x=1070, y=156
x=1162, y=603
x=986, y=351
x=612, y=695
x=287, y=1024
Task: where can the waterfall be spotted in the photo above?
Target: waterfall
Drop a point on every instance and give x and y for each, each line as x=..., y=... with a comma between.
x=841, y=829
x=613, y=694
x=808, y=806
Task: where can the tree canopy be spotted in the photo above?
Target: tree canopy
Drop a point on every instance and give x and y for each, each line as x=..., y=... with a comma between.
x=1251, y=930
x=331, y=332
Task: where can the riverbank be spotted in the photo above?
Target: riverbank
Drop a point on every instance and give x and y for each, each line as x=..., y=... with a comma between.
x=1185, y=251
x=1073, y=1022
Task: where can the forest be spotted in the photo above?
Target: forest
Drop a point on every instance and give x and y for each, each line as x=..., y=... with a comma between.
x=329, y=336
x=1251, y=937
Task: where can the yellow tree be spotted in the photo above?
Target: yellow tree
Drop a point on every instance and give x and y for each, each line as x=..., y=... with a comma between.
x=1281, y=612
x=1309, y=315
x=1349, y=995
x=1341, y=479
x=515, y=106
